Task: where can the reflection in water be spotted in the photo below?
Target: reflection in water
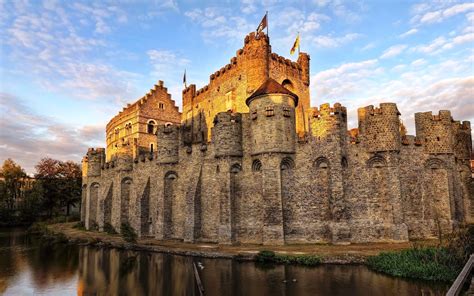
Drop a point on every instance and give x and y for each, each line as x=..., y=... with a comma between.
x=29, y=267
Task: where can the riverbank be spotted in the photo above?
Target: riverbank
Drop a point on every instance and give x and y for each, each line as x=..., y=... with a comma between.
x=329, y=254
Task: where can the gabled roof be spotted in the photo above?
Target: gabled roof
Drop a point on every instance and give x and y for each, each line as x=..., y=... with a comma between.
x=271, y=87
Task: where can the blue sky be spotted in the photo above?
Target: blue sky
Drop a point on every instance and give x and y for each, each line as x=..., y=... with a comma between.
x=67, y=67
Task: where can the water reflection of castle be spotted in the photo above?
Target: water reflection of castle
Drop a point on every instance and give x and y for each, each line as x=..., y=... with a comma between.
x=114, y=272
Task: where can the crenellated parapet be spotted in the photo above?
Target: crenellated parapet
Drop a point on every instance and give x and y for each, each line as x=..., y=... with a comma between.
x=435, y=131
x=328, y=122
x=379, y=128
x=227, y=134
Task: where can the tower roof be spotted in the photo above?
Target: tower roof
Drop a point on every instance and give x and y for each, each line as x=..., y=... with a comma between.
x=270, y=86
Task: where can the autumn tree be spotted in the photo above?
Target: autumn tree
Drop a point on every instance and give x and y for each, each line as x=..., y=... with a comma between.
x=61, y=184
x=13, y=176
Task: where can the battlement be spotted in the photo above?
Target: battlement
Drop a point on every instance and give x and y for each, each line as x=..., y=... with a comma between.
x=227, y=134
x=380, y=127
x=443, y=115
x=327, y=110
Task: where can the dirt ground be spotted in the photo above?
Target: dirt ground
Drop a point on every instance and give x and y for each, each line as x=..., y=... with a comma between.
x=343, y=254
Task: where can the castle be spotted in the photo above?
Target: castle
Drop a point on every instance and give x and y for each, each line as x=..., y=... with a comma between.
x=249, y=161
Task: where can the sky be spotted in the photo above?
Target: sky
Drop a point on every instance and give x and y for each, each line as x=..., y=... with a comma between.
x=67, y=67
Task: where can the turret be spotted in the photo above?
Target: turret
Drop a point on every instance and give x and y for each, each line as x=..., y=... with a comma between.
x=303, y=61
x=95, y=159
x=124, y=156
x=435, y=131
x=255, y=56
x=168, y=144
x=329, y=123
x=462, y=140
x=227, y=134
x=272, y=115
x=379, y=128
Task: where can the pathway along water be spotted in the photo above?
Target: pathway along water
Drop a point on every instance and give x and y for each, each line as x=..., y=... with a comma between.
x=29, y=267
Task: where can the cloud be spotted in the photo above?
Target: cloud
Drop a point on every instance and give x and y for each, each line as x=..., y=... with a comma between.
x=220, y=23
x=44, y=44
x=27, y=136
x=441, y=44
x=329, y=41
x=408, y=33
x=393, y=51
x=423, y=16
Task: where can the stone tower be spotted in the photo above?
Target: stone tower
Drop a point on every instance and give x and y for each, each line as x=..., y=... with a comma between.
x=273, y=138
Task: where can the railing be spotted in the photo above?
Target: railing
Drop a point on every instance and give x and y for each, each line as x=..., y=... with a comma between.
x=462, y=277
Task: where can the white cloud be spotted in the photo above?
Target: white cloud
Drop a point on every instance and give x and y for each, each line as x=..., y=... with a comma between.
x=441, y=44
x=436, y=16
x=393, y=51
x=331, y=41
x=408, y=33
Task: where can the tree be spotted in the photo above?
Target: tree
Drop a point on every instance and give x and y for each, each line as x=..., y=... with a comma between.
x=61, y=183
x=13, y=176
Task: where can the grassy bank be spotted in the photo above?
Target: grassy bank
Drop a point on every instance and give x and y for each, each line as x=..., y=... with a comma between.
x=273, y=258
x=441, y=263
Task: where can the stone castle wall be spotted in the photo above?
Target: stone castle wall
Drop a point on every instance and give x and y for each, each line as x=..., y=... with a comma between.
x=252, y=162
x=330, y=187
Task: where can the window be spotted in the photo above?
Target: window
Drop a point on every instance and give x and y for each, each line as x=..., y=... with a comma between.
x=254, y=115
x=286, y=112
x=161, y=105
x=151, y=148
x=269, y=111
x=151, y=127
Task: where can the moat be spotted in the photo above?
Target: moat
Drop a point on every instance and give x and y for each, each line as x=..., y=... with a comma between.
x=28, y=266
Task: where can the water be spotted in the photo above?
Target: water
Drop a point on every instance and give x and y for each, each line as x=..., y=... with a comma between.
x=28, y=267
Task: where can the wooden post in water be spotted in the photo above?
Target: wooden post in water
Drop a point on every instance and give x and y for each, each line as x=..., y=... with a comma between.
x=462, y=277
x=198, y=280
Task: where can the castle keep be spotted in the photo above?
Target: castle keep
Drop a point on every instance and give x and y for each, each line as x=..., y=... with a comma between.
x=251, y=162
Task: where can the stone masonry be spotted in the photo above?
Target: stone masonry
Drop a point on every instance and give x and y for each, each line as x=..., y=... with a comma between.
x=252, y=162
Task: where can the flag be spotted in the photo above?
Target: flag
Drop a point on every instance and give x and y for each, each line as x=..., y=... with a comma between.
x=296, y=44
x=263, y=24
x=184, y=78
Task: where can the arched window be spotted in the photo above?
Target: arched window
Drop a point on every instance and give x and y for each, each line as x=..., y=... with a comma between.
x=287, y=164
x=151, y=127
x=256, y=165
x=321, y=163
x=288, y=84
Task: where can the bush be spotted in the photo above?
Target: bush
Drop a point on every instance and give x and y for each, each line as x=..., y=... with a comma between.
x=128, y=233
x=109, y=229
x=79, y=225
x=38, y=228
x=434, y=264
x=442, y=263
x=270, y=257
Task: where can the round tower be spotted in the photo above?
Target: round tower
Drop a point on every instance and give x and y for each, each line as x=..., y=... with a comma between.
x=435, y=131
x=227, y=134
x=168, y=144
x=272, y=114
x=380, y=127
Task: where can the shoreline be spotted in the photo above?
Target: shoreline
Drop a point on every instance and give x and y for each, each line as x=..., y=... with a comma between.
x=330, y=254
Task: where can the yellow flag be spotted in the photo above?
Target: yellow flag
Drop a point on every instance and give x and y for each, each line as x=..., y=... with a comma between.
x=296, y=44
